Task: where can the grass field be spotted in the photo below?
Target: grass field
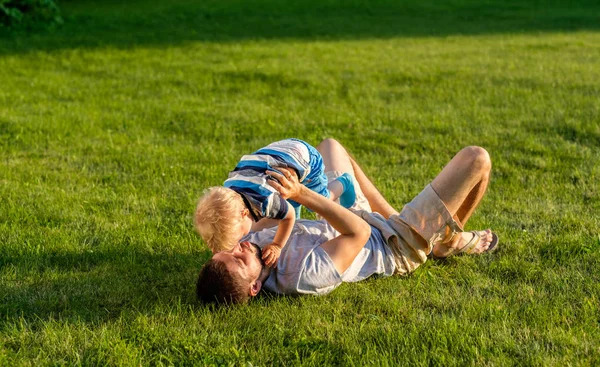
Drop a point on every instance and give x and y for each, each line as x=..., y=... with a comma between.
x=113, y=124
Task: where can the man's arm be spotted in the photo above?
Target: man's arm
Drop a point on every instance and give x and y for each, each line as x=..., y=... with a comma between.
x=354, y=232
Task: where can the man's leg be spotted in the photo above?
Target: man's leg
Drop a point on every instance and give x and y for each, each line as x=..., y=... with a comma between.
x=462, y=183
x=461, y=186
x=376, y=200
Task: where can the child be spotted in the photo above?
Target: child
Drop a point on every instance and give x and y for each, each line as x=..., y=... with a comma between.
x=225, y=214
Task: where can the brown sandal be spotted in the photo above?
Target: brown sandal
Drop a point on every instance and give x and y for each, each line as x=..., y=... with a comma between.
x=473, y=242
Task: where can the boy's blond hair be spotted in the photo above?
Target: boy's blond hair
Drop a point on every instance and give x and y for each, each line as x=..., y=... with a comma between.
x=218, y=217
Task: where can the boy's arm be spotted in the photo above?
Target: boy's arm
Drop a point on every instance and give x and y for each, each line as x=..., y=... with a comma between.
x=354, y=232
x=272, y=251
x=264, y=223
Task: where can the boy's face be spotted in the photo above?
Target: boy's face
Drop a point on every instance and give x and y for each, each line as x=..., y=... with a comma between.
x=246, y=225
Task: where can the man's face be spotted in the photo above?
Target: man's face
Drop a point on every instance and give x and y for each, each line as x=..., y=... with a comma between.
x=244, y=259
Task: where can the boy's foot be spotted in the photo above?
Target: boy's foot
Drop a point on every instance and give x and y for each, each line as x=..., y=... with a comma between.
x=348, y=196
x=474, y=242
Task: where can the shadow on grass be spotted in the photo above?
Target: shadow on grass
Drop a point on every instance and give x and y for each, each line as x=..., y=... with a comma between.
x=90, y=24
x=96, y=286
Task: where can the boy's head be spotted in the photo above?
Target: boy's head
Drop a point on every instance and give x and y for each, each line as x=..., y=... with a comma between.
x=221, y=218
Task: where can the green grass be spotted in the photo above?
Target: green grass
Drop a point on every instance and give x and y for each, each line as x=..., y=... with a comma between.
x=111, y=127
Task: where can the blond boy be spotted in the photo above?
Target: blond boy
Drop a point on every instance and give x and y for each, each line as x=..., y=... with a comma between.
x=227, y=213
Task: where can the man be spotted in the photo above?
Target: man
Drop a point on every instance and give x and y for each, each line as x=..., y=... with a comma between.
x=349, y=247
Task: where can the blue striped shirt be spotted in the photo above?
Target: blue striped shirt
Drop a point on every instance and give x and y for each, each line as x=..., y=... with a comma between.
x=250, y=180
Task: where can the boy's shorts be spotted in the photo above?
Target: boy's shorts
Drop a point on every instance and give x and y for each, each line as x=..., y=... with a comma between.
x=316, y=180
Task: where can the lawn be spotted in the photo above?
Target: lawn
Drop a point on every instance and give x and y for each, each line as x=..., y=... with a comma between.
x=112, y=125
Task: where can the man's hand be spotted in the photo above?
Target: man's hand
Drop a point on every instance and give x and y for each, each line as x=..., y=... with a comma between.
x=288, y=186
x=271, y=254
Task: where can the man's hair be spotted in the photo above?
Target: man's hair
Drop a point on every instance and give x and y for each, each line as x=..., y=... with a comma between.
x=218, y=218
x=217, y=285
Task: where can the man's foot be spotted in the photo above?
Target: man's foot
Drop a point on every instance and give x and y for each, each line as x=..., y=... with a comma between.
x=348, y=196
x=474, y=242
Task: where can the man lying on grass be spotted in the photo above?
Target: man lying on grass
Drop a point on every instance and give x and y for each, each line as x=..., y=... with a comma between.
x=349, y=247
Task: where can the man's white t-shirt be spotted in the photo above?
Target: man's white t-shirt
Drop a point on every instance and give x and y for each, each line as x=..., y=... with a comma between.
x=305, y=268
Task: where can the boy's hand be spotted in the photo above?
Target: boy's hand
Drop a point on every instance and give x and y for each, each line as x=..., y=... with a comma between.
x=271, y=254
x=288, y=185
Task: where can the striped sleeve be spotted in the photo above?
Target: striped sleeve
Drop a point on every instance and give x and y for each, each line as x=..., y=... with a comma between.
x=264, y=200
x=276, y=207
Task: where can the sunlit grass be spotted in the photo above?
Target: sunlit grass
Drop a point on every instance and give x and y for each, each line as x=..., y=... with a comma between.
x=105, y=148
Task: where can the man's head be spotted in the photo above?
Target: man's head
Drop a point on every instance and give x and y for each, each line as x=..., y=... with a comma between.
x=221, y=218
x=232, y=277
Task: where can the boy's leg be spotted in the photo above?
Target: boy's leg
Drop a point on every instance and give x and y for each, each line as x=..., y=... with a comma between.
x=335, y=158
x=337, y=164
x=335, y=185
